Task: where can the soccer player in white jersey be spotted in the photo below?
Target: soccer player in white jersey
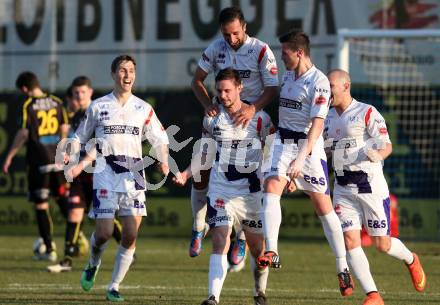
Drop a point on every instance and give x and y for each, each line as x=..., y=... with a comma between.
x=257, y=67
x=360, y=143
x=297, y=154
x=120, y=122
x=234, y=194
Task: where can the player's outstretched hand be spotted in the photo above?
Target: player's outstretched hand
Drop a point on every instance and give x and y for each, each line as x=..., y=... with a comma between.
x=180, y=179
x=212, y=110
x=244, y=115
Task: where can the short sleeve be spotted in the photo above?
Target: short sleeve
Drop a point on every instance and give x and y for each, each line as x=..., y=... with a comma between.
x=206, y=62
x=268, y=67
x=265, y=126
x=320, y=97
x=376, y=125
x=153, y=130
x=87, y=126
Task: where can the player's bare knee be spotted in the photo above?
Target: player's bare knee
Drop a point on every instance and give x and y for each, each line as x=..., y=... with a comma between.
x=352, y=239
x=42, y=206
x=382, y=243
x=128, y=242
x=220, y=240
x=274, y=185
x=76, y=215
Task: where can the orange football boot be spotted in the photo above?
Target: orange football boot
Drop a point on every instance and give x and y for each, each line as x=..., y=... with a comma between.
x=373, y=298
x=418, y=276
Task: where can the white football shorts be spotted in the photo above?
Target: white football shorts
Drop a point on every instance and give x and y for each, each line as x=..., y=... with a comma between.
x=244, y=211
x=107, y=203
x=371, y=210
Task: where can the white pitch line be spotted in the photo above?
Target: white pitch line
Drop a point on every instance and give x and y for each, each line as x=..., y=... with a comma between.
x=28, y=287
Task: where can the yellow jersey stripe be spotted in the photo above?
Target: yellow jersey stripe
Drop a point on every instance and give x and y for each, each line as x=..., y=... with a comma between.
x=25, y=115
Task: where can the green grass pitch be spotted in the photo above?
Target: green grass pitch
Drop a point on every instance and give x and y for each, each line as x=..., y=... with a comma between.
x=164, y=274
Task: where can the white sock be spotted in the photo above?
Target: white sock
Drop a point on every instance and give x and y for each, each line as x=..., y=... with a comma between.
x=123, y=260
x=218, y=268
x=198, y=207
x=271, y=220
x=96, y=251
x=400, y=251
x=361, y=269
x=260, y=277
x=335, y=237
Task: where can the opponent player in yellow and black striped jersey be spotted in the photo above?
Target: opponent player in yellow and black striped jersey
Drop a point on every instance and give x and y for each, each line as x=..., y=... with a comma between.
x=44, y=123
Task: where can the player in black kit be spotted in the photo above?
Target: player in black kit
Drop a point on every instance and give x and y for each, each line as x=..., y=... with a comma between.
x=44, y=123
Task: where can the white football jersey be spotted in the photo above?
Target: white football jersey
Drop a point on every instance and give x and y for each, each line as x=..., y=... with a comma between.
x=122, y=130
x=350, y=135
x=239, y=151
x=254, y=61
x=303, y=99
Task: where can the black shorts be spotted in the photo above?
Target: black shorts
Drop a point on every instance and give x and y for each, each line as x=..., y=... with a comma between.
x=43, y=185
x=81, y=191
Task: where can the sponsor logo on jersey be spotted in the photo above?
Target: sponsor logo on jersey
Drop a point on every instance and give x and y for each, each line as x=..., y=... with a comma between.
x=104, y=116
x=320, y=100
x=121, y=129
x=314, y=180
x=138, y=205
x=221, y=58
x=244, y=73
x=252, y=223
x=216, y=131
x=383, y=131
x=377, y=224
x=103, y=211
x=274, y=71
x=250, y=51
x=215, y=219
x=321, y=90
x=103, y=193
x=234, y=144
x=344, y=144
x=347, y=224
x=338, y=209
x=284, y=102
x=44, y=104
x=219, y=203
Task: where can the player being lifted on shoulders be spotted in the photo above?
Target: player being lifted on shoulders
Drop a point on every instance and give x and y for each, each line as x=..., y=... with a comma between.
x=360, y=142
x=234, y=196
x=255, y=62
x=297, y=154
